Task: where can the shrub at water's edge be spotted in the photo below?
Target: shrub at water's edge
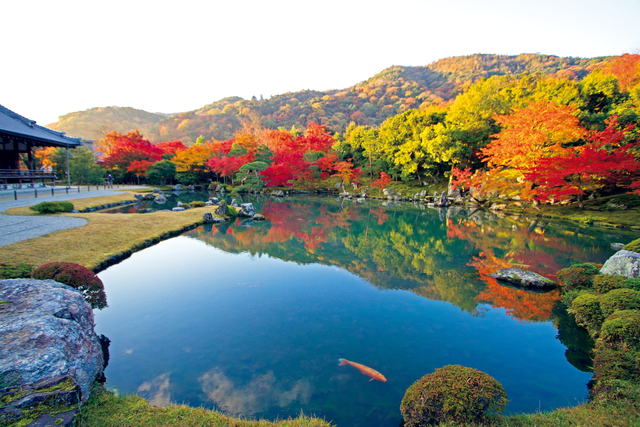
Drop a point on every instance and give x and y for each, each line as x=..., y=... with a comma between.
x=578, y=276
x=452, y=393
x=76, y=276
x=587, y=311
x=611, y=314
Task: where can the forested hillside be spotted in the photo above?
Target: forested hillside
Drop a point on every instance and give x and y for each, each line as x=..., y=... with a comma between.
x=391, y=92
x=93, y=123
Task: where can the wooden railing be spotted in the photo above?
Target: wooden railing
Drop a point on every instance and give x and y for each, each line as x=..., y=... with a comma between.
x=27, y=173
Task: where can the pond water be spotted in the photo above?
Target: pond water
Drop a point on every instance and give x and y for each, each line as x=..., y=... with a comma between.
x=251, y=318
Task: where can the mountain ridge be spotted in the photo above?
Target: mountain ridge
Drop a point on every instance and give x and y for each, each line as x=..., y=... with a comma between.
x=391, y=91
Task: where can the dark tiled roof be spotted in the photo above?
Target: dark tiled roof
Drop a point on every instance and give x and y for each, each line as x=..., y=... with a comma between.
x=14, y=124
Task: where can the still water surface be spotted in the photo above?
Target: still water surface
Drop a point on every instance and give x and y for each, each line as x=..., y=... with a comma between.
x=251, y=318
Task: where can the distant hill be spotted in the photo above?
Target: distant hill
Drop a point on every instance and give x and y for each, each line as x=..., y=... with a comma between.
x=390, y=92
x=93, y=123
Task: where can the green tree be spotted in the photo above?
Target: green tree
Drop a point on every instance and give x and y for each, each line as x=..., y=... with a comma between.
x=249, y=176
x=161, y=172
x=401, y=144
x=83, y=166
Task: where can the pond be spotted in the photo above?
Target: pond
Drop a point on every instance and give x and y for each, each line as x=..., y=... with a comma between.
x=251, y=318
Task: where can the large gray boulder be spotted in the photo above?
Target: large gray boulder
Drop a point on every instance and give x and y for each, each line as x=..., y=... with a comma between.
x=623, y=263
x=46, y=331
x=207, y=217
x=247, y=210
x=277, y=193
x=160, y=199
x=527, y=279
x=442, y=202
x=222, y=208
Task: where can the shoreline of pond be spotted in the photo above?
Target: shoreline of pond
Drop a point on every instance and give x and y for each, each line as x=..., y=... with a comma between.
x=119, y=400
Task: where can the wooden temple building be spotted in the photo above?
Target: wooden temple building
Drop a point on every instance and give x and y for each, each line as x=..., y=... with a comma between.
x=19, y=136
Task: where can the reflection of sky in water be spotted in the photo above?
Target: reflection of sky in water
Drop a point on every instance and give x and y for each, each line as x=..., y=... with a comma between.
x=258, y=336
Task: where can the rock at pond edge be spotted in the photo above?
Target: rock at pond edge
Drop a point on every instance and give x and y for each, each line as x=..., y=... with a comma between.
x=623, y=263
x=526, y=279
x=37, y=345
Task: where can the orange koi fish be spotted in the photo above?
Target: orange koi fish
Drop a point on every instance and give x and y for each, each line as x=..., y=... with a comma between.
x=375, y=375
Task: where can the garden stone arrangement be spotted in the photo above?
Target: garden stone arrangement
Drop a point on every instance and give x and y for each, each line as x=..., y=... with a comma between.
x=49, y=352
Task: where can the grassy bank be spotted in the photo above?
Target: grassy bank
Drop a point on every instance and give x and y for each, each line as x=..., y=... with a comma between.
x=105, y=239
x=104, y=409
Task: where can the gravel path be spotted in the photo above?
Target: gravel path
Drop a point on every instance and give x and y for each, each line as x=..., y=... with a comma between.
x=16, y=228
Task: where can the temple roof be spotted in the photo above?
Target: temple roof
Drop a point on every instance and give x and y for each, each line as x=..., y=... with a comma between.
x=14, y=124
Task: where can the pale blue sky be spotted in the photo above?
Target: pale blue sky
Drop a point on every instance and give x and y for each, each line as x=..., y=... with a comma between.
x=64, y=56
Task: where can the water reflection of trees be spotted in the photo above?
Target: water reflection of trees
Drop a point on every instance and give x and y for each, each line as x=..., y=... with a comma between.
x=433, y=254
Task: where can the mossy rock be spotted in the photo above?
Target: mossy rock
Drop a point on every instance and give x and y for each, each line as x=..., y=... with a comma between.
x=578, y=276
x=453, y=393
x=197, y=204
x=633, y=246
x=620, y=299
x=588, y=313
x=622, y=329
x=603, y=283
x=232, y=211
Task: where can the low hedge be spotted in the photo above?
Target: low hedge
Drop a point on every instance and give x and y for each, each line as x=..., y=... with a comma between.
x=588, y=313
x=620, y=299
x=603, y=283
x=52, y=207
x=622, y=328
x=578, y=276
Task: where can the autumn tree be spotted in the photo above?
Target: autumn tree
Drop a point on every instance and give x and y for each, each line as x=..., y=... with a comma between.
x=119, y=151
x=537, y=131
x=191, y=163
x=600, y=162
x=170, y=148
x=382, y=182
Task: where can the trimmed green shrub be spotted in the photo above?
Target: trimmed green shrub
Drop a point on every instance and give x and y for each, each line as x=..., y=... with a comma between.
x=231, y=211
x=614, y=364
x=587, y=311
x=76, y=276
x=633, y=284
x=197, y=204
x=11, y=271
x=453, y=393
x=633, y=246
x=622, y=328
x=578, y=276
x=603, y=283
x=52, y=207
x=619, y=299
